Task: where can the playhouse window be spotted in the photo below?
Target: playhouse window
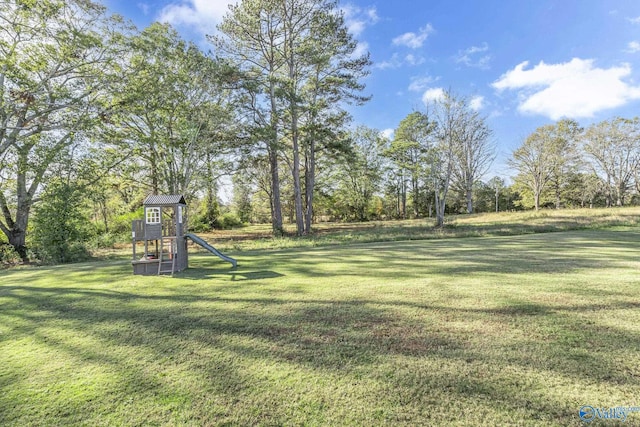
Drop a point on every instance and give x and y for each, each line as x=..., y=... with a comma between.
x=153, y=215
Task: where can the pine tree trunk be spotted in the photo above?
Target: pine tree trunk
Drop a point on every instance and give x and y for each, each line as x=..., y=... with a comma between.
x=276, y=205
x=439, y=209
x=310, y=182
x=297, y=190
x=276, y=208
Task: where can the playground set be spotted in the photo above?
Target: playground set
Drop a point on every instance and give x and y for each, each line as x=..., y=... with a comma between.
x=164, y=234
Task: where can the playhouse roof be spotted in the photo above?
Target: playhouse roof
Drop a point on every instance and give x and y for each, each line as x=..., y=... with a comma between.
x=173, y=199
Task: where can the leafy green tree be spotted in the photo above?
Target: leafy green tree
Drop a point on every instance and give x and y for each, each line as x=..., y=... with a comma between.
x=613, y=148
x=242, y=194
x=251, y=40
x=395, y=192
x=170, y=109
x=583, y=190
x=534, y=162
x=56, y=62
x=297, y=64
x=332, y=78
x=360, y=175
x=496, y=184
x=413, y=139
x=60, y=226
x=563, y=142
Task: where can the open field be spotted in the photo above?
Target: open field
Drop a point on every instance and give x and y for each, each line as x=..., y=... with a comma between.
x=477, y=225
x=500, y=330
x=259, y=236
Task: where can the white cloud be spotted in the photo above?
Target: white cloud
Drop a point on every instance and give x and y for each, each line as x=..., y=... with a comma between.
x=414, y=40
x=476, y=103
x=358, y=19
x=633, y=47
x=388, y=133
x=144, y=7
x=202, y=15
x=397, y=62
x=356, y=27
x=472, y=57
x=414, y=60
x=634, y=20
x=392, y=63
x=573, y=89
x=431, y=95
x=418, y=84
x=361, y=49
x=372, y=13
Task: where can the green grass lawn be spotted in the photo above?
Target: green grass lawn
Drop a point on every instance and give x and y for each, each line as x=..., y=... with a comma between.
x=477, y=225
x=500, y=330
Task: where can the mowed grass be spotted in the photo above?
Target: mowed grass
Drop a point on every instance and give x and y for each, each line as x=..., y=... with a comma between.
x=503, y=330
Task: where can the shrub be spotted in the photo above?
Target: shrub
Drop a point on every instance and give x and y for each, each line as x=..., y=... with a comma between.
x=8, y=255
x=60, y=228
x=199, y=224
x=105, y=240
x=121, y=224
x=229, y=220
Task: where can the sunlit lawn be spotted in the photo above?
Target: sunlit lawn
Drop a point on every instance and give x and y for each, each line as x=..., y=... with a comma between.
x=519, y=330
x=477, y=225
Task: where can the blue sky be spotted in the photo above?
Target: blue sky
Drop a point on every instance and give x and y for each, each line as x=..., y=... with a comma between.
x=523, y=63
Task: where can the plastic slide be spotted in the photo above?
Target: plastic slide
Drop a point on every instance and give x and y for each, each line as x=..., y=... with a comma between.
x=211, y=249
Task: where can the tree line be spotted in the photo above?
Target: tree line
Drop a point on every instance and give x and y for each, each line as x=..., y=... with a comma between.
x=93, y=107
x=95, y=114
x=564, y=164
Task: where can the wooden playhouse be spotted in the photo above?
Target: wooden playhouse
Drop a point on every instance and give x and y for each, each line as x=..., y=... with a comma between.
x=163, y=232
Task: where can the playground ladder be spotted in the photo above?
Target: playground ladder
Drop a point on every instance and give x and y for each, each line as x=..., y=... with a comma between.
x=170, y=252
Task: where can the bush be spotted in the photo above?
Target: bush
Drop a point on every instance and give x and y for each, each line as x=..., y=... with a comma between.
x=8, y=255
x=199, y=224
x=121, y=225
x=226, y=221
x=60, y=229
x=229, y=220
x=104, y=240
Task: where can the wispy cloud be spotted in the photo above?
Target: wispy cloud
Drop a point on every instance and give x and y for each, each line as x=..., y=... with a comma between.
x=414, y=40
x=361, y=49
x=144, y=7
x=397, y=61
x=357, y=19
x=414, y=60
x=634, y=20
x=418, y=84
x=633, y=47
x=201, y=16
x=392, y=63
x=573, y=89
x=388, y=133
x=475, y=56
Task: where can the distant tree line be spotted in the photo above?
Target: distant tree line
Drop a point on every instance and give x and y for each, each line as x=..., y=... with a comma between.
x=95, y=114
x=565, y=165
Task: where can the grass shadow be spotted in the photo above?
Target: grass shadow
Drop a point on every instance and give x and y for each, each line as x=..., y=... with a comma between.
x=376, y=342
